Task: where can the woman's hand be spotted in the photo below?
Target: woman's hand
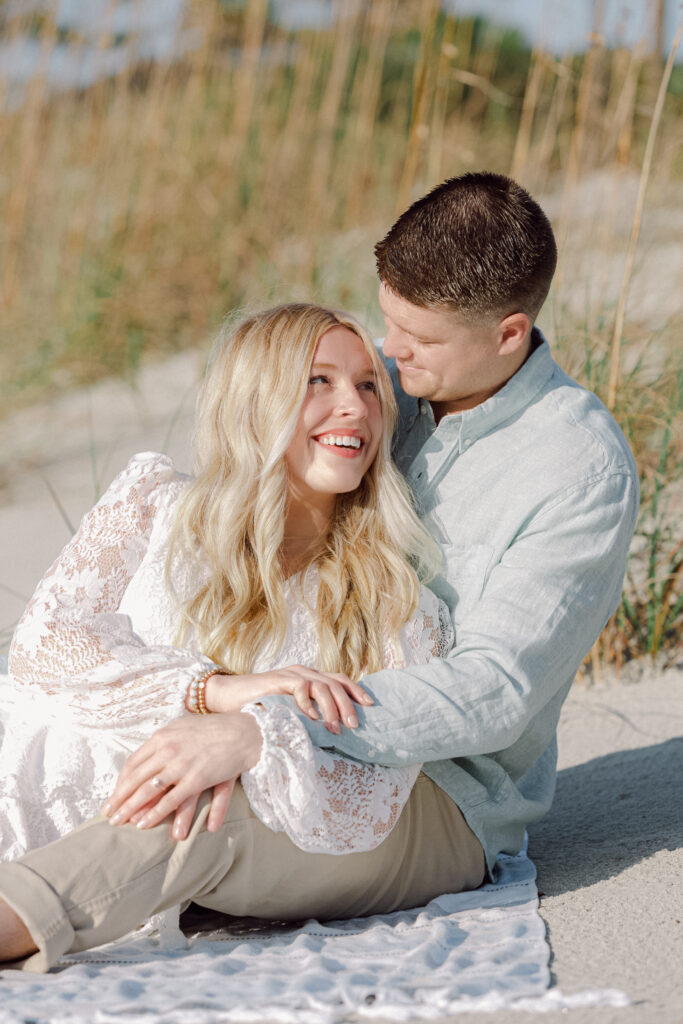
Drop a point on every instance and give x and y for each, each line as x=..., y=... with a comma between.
x=171, y=770
x=334, y=693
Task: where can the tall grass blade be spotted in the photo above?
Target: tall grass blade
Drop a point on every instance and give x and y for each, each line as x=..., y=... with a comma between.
x=60, y=507
x=637, y=217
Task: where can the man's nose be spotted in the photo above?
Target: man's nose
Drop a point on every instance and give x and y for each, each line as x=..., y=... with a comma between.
x=394, y=344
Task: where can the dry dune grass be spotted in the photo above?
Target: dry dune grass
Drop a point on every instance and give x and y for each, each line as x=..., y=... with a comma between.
x=263, y=163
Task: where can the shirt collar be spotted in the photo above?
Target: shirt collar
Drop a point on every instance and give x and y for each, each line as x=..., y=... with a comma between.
x=514, y=396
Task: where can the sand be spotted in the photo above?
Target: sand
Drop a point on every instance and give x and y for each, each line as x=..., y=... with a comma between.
x=609, y=854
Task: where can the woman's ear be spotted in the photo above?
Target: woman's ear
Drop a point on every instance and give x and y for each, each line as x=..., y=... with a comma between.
x=513, y=332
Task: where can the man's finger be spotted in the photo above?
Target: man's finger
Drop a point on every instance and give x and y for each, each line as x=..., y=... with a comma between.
x=182, y=821
x=222, y=795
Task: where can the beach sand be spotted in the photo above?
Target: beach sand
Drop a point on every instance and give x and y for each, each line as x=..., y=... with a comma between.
x=609, y=854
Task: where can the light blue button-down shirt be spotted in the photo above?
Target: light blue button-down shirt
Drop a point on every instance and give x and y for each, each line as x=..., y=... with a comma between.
x=533, y=497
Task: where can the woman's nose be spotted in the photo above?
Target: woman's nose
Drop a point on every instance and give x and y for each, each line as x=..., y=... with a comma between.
x=350, y=402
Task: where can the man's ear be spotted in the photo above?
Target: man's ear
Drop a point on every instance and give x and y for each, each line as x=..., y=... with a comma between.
x=513, y=333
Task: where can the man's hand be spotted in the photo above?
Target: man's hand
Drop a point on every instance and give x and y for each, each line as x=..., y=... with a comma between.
x=170, y=771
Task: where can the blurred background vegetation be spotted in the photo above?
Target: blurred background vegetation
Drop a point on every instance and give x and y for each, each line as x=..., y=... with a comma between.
x=255, y=163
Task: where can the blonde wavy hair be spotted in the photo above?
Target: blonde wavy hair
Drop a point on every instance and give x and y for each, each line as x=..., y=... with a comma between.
x=230, y=520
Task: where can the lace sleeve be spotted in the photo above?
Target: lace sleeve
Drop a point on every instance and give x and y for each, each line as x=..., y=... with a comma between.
x=324, y=802
x=72, y=644
x=429, y=634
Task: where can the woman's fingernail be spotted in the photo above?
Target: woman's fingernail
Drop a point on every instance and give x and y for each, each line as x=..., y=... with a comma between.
x=106, y=809
x=352, y=722
x=142, y=823
x=115, y=818
x=367, y=699
x=313, y=714
x=334, y=727
x=177, y=832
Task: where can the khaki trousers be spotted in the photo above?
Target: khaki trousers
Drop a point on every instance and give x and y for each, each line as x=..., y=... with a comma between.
x=101, y=881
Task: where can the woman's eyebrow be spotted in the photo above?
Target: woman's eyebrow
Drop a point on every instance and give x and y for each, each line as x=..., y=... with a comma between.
x=333, y=366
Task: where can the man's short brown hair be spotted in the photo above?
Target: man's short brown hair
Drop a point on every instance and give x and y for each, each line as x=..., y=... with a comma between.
x=478, y=245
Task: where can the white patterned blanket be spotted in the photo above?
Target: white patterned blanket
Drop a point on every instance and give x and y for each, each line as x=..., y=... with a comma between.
x=483, y=950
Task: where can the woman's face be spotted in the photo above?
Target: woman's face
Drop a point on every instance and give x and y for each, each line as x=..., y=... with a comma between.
x=340, y=422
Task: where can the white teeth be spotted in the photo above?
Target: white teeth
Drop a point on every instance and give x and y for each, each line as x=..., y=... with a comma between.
x=345, y=441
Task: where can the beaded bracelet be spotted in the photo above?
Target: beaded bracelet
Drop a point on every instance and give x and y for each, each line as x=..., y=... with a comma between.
x=195, y=700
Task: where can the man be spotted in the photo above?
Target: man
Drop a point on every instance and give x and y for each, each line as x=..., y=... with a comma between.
x=528, y=485
x=531, y=490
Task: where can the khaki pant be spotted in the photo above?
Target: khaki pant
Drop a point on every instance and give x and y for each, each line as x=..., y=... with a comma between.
x=101, y=881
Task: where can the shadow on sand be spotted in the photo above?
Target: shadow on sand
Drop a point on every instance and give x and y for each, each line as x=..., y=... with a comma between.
x=608, y=814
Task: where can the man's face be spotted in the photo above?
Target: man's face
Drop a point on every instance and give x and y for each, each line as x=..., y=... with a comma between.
x=439, y=357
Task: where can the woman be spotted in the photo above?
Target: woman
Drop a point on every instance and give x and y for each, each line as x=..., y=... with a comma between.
x=291, y=544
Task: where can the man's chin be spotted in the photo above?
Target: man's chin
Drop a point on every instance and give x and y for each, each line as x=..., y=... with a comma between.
x=413, y=384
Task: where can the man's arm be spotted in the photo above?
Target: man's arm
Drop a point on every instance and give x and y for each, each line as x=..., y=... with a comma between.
x=542, y=609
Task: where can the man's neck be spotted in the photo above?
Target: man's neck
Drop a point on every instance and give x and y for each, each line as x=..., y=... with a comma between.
x=457, y=406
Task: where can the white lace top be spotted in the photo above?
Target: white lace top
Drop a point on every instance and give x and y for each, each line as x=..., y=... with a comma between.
x=94, y=672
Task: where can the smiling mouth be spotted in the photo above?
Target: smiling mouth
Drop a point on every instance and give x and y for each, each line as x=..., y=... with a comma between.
x=349, y=446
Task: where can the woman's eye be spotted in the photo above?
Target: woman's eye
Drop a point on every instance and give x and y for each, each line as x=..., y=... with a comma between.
x=318, y=379
x=369, y=385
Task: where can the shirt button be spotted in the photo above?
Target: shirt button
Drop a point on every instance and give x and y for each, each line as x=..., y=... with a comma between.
x=423, y=410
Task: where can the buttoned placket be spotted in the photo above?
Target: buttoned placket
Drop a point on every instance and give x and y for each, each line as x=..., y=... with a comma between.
x=443, y=443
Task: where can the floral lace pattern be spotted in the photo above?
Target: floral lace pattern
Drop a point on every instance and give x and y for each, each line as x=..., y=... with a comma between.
x=74, y=641
x=94, y=672
x=324, y=802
